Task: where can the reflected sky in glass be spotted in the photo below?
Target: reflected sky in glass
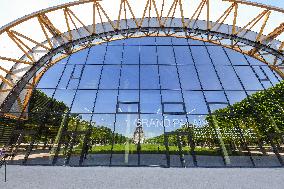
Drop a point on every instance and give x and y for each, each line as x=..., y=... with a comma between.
x=154, y=78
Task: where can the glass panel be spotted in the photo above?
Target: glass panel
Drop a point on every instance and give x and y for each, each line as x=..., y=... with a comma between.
x=150, y=102
x=100, y=142
x=97, y=54
x=163, y=40
x=272, y=77
x=218, y=55
x=232, y=144
x=216, y=100
x=129, y=77
x=179, y=41
x=188, y=78
x=259, y=72
x=208, y=77
x=215, y=96
x=176, y=141
x=113, y=55
x=39, y=150
x=148, y=41
x=106, y=102
x=171, y=96
x=124, y=107
x=253, y=61
x=55, y=73
x=128, y=96
x=149, y=77
x=66, y=77
x=248, y=78
x=79, y=58
x=182, y=55
x=194, y=102
x=169, y=77
x=210, y=148
x=165, y=55
x=131, y=55
x=90, y=77
x=236, y=58
x=65, y=96
x=173, y=108
x=125, y=150
x=200, y=55
x=228, y=78
x=236, y=96
x=84, y=101
x=148, y=55
x=195, y=42
x=153, y=149
x=110, y=77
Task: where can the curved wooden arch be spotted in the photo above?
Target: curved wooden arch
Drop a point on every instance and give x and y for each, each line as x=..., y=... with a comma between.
x=18, y=82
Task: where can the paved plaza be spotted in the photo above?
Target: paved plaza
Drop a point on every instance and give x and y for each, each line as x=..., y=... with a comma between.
x=29, y=177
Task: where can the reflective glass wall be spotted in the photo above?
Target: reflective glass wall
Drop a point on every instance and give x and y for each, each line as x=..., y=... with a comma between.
x=154, y=101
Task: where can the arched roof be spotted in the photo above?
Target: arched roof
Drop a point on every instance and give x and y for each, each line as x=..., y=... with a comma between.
x=62, y=30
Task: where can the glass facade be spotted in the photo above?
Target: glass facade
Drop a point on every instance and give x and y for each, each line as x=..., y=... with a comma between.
x=155, y=101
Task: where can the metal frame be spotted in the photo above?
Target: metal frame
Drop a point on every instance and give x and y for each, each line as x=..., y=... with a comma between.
x=183, y=112
x=127, y=103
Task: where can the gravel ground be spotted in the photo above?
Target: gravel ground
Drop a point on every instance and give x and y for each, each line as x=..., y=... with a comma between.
x=140, y=177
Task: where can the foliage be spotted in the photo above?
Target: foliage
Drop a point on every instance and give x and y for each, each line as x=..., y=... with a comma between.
x=261, y=112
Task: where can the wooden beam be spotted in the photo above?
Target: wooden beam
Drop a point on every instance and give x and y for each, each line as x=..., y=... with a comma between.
x=16, y=60
x=253, y=22
x=18, y=42
x=68, y=25
x=45, y=33
x=197, y=13
x=75, y=16
x=29, y=39
x=263, y=26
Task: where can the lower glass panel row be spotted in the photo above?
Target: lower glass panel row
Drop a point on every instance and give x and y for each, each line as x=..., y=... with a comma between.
x=146, y=140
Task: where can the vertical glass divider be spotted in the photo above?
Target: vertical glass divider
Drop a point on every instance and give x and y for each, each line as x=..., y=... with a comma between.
x=219, y=137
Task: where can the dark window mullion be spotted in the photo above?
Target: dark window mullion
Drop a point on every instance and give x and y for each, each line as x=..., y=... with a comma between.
x=117, y=99
x=230, y=106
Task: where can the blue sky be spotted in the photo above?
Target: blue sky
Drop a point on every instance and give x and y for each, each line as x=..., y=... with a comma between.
x=278, y=3
x=95, y=76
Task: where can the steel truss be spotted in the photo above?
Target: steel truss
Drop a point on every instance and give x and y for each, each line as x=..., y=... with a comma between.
x=19, y=81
